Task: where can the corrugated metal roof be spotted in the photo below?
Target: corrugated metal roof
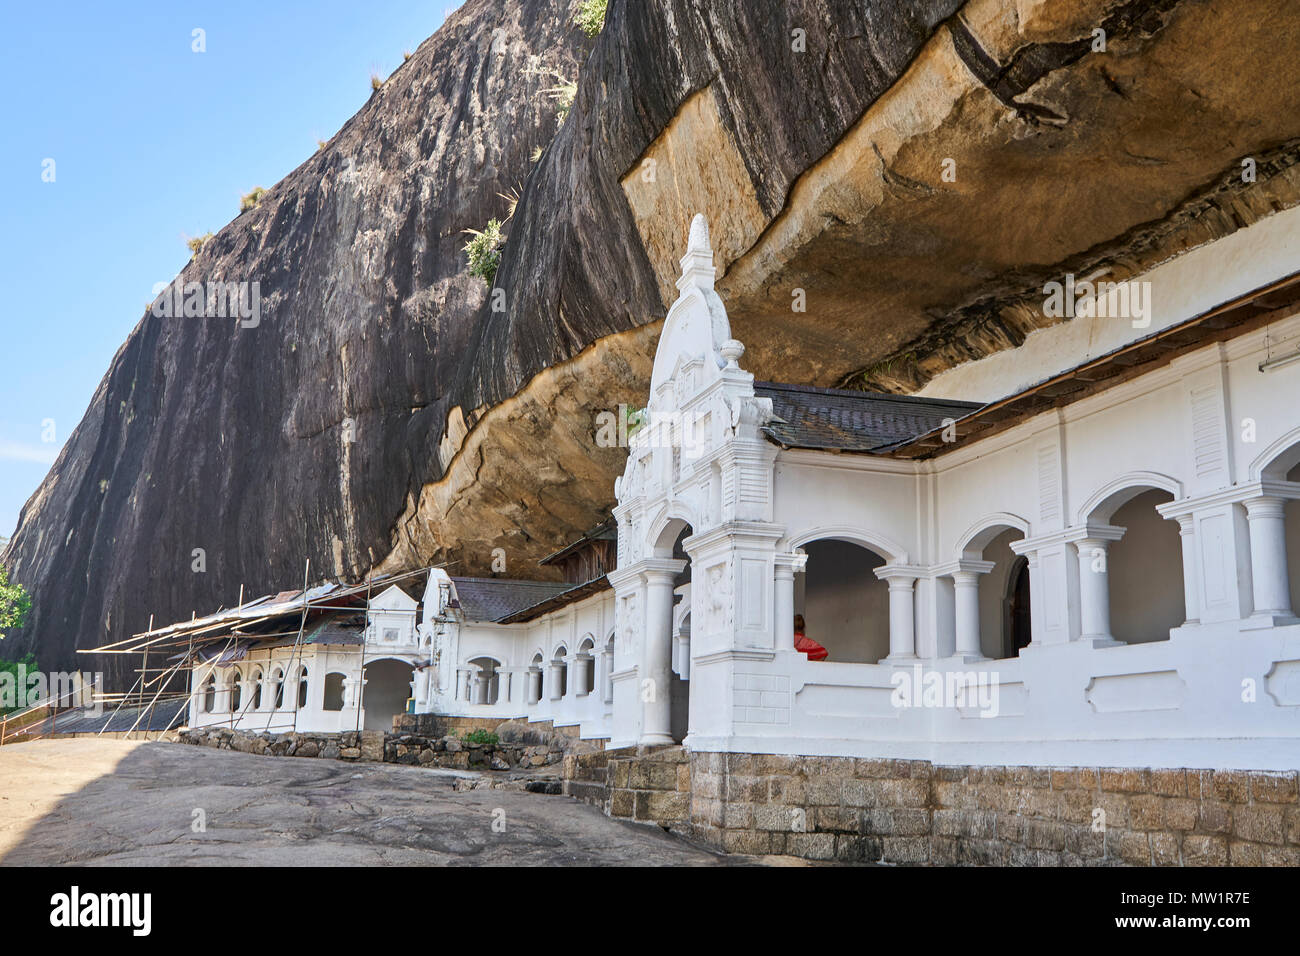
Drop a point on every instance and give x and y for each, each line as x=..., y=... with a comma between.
x=842, y=420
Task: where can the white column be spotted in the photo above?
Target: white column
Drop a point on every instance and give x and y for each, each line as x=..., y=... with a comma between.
x=902, y=612
x=1269, y=579
x=607, y=674
x=1191, y=592
x=967, y=585
x=581, y=668
x=1094, y=589
x=534, y=684
x=783, y=601
x=656, y=659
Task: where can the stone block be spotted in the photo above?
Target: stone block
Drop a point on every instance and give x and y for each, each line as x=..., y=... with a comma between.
x=1274, y=787
x=791, y=791
x=745, y=841
x=811, y=846
x=905, y=849
x=1146, y=812
x=1259, y=823
x=738, y=816
x=661, y=806
x=1231, y=786
x=622, y=803
x=1165, y=849
x=1214, y=817
x=1169, y=783
x=1132, y=847
x=1181, y=813
x=1125, y=780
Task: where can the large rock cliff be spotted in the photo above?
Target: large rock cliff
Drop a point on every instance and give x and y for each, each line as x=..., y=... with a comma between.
x=915, y=168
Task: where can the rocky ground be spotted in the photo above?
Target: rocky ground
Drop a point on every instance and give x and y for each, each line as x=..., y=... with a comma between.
x=114, y=802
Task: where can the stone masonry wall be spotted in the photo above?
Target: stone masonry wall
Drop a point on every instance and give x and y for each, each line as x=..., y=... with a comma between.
x=912, y=812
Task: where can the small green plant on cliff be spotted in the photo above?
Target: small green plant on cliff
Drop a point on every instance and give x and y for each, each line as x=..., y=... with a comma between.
x=15, y=603
x=481, y=738
x=563, y=94
x=484, y=251
x=591, y=16
x=251, y=200
x=198, y=242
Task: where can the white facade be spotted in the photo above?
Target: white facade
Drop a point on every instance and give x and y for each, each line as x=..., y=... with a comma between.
x=1206, y=445
x=1152, y=530
x=317, y=687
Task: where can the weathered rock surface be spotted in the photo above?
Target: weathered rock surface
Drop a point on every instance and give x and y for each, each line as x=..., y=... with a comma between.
x=813, y=134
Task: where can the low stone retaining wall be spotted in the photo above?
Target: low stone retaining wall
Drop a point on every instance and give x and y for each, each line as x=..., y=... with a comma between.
x=910, y=811
x=373, y=745
x=520, y=747
x=913, y=812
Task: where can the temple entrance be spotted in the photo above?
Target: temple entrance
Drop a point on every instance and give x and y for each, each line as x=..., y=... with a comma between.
x=1018, y=631
x=387, y=688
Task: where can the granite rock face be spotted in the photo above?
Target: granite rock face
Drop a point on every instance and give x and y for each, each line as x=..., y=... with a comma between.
x=387, y=412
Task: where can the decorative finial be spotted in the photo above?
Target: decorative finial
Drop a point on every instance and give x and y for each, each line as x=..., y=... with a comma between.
x=732, y=350
x=699, y=237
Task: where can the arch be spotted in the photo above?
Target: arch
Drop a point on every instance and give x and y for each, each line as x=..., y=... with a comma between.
x=210, y=694
x=277, y=681
x=976, y=538
x=672, y=520
x=387, y=689
x=1275, y=461
x=842, y=602
x=1144, y=570
x=256, y=681
x=236, y=690
x=488, y=687
x=1110, y=497
x=334, y=691
x=891, y=551
x=303, y=686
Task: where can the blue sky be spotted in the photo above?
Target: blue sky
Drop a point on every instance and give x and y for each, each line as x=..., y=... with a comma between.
x=152, y=144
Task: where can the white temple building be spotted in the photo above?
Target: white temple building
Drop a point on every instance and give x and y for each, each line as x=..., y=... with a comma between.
x=1084, y=550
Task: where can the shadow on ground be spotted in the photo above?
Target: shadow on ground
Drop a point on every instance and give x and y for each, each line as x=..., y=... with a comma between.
x=121, y=803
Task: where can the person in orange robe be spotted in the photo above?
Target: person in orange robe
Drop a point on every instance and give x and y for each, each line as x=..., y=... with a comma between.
x=806, y=644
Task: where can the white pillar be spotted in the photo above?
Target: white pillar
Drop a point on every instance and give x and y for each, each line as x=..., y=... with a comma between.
x=902, y=612
x=1269, y=579
x=1191, y=592
x=534, y=684
x=581, y=668
x=967, y=586
x=656, y=659
x=607, y=674
x=783, y=601
x=1094, y=589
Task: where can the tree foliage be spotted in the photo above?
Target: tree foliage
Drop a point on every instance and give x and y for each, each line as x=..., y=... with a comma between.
x=14, y=603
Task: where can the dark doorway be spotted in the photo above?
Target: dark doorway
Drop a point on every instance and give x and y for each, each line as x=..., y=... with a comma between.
x=1018, y=626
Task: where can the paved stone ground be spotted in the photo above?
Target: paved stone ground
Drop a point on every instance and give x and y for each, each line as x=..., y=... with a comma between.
x=122, y=803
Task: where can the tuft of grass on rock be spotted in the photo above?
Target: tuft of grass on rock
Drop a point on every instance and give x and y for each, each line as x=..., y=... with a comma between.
x=591, y=16
x=251, y=200
x=484, y=251
x=198, y=242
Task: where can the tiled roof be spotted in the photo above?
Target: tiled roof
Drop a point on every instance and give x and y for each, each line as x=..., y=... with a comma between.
x=574, y=592
x=842, y=420
x=491, y=599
